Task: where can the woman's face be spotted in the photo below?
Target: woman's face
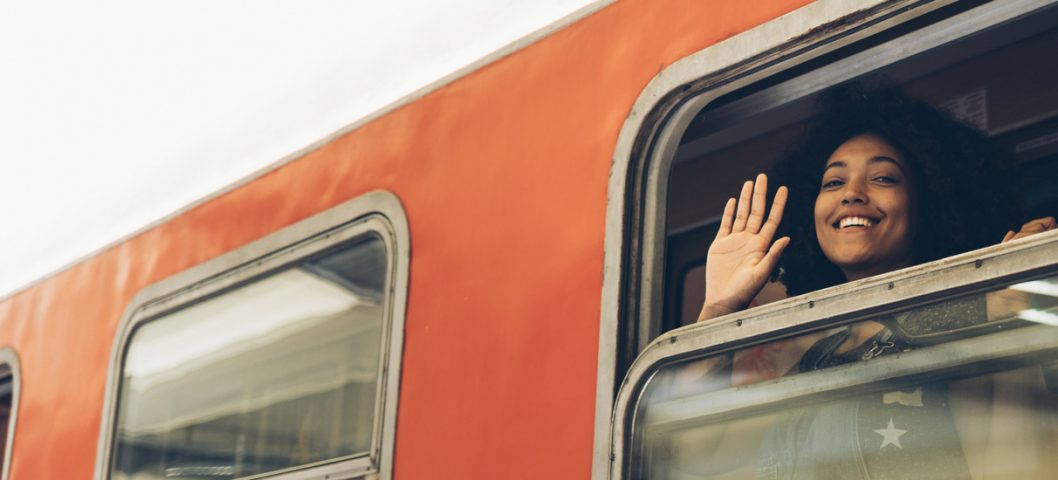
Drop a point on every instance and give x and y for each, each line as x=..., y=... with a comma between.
x=864, y=214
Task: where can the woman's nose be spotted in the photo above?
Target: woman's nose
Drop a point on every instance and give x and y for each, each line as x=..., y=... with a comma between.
x=853, y=194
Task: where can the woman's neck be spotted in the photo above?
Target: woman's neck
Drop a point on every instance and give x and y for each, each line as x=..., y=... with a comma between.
x=852, y=273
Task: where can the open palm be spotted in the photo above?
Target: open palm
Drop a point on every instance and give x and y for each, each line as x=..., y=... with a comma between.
x=743, y=255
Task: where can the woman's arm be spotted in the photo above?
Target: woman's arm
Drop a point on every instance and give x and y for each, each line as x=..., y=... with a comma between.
x=1007, y=421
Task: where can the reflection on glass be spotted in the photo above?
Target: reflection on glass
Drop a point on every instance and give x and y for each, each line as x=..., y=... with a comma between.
x=963, y=389
x=277, y=373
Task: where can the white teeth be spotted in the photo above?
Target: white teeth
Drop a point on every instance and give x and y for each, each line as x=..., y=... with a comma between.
x=854, y=222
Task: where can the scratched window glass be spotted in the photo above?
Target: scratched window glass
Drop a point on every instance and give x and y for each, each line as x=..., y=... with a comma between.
x=276, y=374
x=963, y=388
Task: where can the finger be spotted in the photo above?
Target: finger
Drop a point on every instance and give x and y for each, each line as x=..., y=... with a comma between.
x=1035, y=226
x=756, y=210
x=727, y=219
x=1009, y=236
x=771, y=259
x=775, y=216
x=742, y=212
x=1031, y=228
x=1045, y=223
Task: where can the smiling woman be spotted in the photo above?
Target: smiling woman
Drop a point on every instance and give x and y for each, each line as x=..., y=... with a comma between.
x=863, y=214
x=879, y=182
x=934, y=186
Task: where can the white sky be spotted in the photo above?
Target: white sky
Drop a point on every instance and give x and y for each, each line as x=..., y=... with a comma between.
x=114, y=113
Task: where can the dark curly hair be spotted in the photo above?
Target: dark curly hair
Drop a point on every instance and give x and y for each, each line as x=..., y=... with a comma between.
x=965, y=185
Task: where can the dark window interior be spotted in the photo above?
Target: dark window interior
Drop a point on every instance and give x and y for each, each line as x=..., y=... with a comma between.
x=6, y=397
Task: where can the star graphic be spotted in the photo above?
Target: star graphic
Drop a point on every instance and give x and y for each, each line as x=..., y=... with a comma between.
x=890, y=435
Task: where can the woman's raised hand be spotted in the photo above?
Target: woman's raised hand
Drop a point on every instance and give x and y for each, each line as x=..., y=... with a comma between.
x=743, y=256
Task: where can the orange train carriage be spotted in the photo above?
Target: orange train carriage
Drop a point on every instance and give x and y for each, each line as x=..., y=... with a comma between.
x=484, y=279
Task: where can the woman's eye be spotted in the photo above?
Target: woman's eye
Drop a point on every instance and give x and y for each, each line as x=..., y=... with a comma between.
x=833, y=183
x=884, y=179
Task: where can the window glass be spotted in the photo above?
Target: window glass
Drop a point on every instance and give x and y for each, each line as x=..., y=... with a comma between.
x=278, y=373
x=960, y=388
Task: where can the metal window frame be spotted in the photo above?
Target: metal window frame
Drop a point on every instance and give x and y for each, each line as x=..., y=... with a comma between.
x=10, y=367
x=378, y=212
x=632, y=292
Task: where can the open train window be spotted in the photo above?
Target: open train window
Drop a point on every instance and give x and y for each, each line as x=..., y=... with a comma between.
x=9, y=387
x=279, y=360
x=998, y=80
x=719, y=117
x=985, y=62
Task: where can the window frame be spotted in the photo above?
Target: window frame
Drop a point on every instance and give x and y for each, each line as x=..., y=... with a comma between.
x=378, y=212
x=10, y=367
x=634, y=260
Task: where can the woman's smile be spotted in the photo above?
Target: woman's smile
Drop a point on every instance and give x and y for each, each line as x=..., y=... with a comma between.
x=863, y=212
x=854, y=223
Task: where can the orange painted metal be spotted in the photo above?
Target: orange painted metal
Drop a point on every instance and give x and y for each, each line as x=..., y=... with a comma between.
x=503, y=174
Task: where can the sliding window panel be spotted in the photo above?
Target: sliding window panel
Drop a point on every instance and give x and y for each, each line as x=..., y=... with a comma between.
x=944, y=370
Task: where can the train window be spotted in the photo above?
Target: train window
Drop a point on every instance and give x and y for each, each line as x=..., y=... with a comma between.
x=981, y=61
x=992, y=81
x=9, y=386
x=283, y=366
x=719, y=117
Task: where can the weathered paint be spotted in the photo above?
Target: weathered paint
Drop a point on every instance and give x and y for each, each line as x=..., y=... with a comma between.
x=503, y=175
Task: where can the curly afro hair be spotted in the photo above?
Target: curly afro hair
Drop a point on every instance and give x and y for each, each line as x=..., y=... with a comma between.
x=965, y=185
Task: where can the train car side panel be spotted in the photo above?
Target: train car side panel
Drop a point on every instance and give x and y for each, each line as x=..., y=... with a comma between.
x=503, y=176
